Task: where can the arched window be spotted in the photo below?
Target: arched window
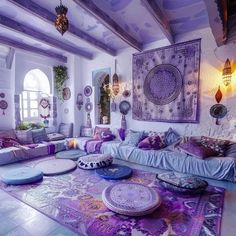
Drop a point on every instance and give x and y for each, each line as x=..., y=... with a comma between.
x=36, y=85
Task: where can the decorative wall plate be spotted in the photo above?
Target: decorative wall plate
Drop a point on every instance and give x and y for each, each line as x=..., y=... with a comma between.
x=66, y=93
x=3, y=106
x=126, y=93
x=218, y=111
x=88, y=106
x=124, y=107
x=88, y=90
x=163, y=84
x=2, y=95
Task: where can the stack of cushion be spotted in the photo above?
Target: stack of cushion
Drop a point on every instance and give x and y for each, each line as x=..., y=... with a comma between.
x=182, y=183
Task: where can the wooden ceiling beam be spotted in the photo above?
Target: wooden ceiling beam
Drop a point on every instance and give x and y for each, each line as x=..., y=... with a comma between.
x=160, y=18
x=218, y=20
x=109, y=23
x=15, y=44
x=37, y=35
x=35, y=9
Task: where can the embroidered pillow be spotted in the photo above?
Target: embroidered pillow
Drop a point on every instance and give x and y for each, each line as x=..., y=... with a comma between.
x=107, y=136
x=98, y=131
x=171, y=136
x=133, y=137
x=218, y=145
x=55, y=136
x=197, y=149
x=24, y=136
x=152, y=142
x=39, y=135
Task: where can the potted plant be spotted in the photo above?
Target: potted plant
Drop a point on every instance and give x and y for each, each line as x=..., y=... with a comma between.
x=60, y=76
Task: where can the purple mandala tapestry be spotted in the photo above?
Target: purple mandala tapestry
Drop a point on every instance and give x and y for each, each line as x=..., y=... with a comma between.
x=75, y=200
x=165, y=83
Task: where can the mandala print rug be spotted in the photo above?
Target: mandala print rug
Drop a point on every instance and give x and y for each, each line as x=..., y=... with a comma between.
x=74, y=200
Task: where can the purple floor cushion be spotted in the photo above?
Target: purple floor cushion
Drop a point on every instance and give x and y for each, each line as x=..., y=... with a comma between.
x=182, y=183
x=23, y=175
x=72, y=154
x=94, y=161
x=115, y=172
x=56, y=167
x=131, y=199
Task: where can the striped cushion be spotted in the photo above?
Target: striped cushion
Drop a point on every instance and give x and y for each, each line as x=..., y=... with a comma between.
x=39, y=135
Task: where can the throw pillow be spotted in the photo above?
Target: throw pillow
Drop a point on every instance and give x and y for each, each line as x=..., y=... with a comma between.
x=55, y=136
x=197, y=149
x=24, y=136
x=107, y=136
x=9, y=142
x=121, y=133
x=152, y=142
x=8, y=134
x=39, y=135
x=218, y=145
x=230, y=150
x=133, y=137
x=98, y=130
x=171, y=136
x=66, y=129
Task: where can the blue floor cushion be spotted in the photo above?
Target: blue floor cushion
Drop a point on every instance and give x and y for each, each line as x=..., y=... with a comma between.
x=94, y=161
x=56, y=166
x=115, y=172
x=72, y=154
x=23, y=175
x=182, y=183
x=131, y=199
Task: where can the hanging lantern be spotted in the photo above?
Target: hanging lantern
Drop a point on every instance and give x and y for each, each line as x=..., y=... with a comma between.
x=227, y=74
x=61, y=22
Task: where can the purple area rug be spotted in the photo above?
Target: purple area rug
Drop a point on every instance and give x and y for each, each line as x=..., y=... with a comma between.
x=74, y=200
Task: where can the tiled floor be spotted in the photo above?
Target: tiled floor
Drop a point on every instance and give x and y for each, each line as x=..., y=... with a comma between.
x=19, y=219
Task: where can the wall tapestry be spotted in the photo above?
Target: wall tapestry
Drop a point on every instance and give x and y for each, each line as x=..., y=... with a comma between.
x=165, y=83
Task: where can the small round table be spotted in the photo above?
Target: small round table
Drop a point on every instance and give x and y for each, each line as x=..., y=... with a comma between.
x=22, y=175
x=115, y=172
x=131, y=199
x=56, y=167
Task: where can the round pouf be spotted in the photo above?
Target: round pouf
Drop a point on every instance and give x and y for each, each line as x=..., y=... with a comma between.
x=131, y=199
x=24, y=175
x=73, y=154
x=56, y=167
x=115, y=172
x=94, y=161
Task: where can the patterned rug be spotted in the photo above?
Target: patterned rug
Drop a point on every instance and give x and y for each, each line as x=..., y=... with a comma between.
x=74, y=200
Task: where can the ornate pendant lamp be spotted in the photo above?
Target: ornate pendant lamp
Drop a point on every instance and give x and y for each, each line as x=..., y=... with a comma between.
x=227, y=73
x=61, y=22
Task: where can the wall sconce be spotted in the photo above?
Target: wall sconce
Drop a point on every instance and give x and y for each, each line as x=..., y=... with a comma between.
x=61, y=22
x=227, y=73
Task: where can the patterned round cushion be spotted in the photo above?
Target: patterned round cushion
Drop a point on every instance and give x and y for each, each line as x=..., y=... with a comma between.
x=56, y=167
x=72, y=154
x=115, y=172
x=182, y=183
x=23, y=175
x=131, y=199
x=94, y=161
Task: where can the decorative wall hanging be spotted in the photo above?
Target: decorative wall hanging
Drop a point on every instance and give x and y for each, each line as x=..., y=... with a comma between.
x=126, y=93
x=113, y=106
x=124, y=107
x=115, y=83
x=88, y=106
x=44, y=110
x=88, y=122
x=218, y=95
x=79, y=101
x=88, y=90
x=61, y=22
x=218, y=111
x=165, y=83
x=66, y=93
x=3, y=103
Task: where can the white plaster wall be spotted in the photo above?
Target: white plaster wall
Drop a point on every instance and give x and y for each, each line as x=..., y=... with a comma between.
x=212, y=61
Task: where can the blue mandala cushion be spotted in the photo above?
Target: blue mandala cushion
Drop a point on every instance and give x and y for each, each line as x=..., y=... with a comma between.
x=94, y=161
x=23, y=175
x=182, y=183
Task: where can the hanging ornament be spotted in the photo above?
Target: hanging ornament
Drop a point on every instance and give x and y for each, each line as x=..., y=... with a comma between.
x=115, y=83
x=61, y=22
x=3, y=106
x=218, y=95
x=227, y=73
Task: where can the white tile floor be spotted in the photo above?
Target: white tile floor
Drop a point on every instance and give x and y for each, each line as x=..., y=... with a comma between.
x=19, y=219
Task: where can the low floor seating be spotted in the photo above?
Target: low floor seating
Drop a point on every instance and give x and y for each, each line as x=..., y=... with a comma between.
x=72, y=154
x=23, y=175
x=95, y=161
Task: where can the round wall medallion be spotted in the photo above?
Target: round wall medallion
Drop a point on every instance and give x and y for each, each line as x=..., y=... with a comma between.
x=66, y=93
x=126, y=93
x=88, y=90
x=124, y=107
x=88, y=106
x=163, y=84
x=66, y=110
x=2, y=95
x=218, y=111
